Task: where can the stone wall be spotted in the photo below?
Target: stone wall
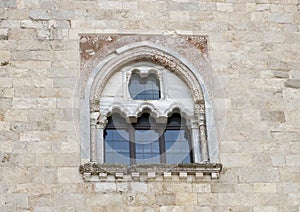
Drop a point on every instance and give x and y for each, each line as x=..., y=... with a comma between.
x=254, y=54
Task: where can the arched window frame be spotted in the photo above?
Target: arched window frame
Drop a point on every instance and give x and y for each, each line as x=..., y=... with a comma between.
x=145, y=51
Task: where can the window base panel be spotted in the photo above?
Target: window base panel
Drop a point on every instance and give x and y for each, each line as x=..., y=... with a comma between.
x=95, y=172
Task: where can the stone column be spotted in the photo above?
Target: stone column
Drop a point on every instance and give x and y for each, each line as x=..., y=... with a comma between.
x=94, y=114
x=203, y=140
x=200, y=114
x=195, y=143
x=102, y=121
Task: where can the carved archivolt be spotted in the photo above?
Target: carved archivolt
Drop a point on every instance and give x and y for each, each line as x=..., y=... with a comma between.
x=145, y=53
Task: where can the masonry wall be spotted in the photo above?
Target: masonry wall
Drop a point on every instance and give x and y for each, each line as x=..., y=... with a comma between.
x=254, y=52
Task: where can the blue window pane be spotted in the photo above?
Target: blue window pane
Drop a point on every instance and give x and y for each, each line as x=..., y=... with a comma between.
x=117, y=146
x=144, y=88
x=177, y=147
x=147, y=147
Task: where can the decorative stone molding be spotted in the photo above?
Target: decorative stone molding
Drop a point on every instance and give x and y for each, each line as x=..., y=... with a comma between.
x=93, y=172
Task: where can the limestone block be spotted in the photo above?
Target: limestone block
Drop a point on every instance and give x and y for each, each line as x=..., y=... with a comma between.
x=22, y=82
x=64, y=82
x=224, y=7
x=183, y=6
x=118, y=5
x=244, y=188
x=203, y=208
x=33, y=24
x=44, y=209
x=179, y=16
x=222, y=188
x=165, y=199
x=260, y=174
x=287, y=188
x=201, y=188
x=171, y=208
x=186, y=199
x=41, y=66
x=65, y=159
x=24, y=103
x=294, y=199
x=205, y=199
x=139, y=187
x=236, y=159
x=274, y=37
x=5, y=82
x=62, y=14
x=294, y=74
x=262, y=7
x=29, y=136
x=39, y=147
x=99, y=199
x=105, y=187
x=42, y=83
x=16, y=200
x=68, y=175
x=10, y=24
x=8, y=4
x=32, y=56
x=65, y=102
x=207, y=6
x=293, y=160
x=281, y=74
x=41, y=200
x=278, y=160
x=144, y=199
x=178, y=187
x=292, y=83
x=264, y=187
x=282, y=18
x=4, y=34
x=265, y=208
x=46, y=103
x=38, y=14
x=273, y=116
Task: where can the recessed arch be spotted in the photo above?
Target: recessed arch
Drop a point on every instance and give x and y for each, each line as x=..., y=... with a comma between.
x=144, y=51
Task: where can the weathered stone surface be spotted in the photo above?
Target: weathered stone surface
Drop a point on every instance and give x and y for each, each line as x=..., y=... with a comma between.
x=273, y=116
x=8, y=3
x=165, y=199
x=292, y=83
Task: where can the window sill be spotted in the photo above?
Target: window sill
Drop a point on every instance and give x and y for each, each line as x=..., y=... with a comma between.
x=95, y=172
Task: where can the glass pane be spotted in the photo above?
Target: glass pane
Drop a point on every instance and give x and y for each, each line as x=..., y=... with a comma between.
x=147, y=147
x=117, y=146
x=177, y=147
x=144, y=88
